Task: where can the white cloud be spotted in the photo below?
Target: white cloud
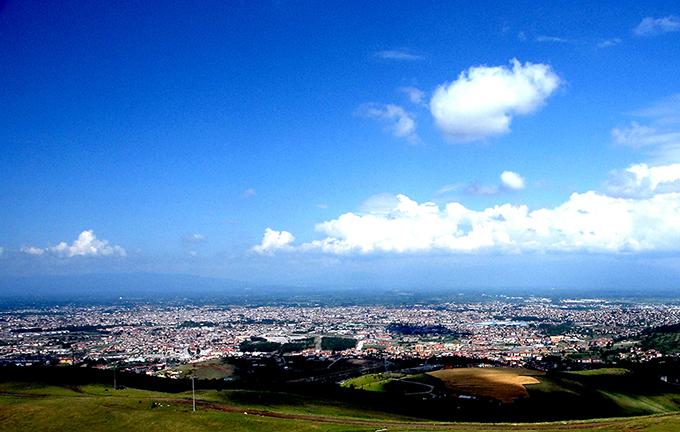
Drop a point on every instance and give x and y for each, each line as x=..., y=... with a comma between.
x=87, y=244
x=643, y=181
x=32, y=250
x=601, y=43
x=249, y=193
x=415, y=95
x=483, y=100
x=512, y=180
x=273, y=240
x=650, y=26
x=381, y=203
x=637, y=135
x=660, y=136
x=665, y=111
x=509, y=182
x=586, y=222
x=554, y=39
x=481, y=189
x=647, y=220
x=399, y=55
x=454, y=187
x=608, y=43
x=398, y=121
x=194, y=238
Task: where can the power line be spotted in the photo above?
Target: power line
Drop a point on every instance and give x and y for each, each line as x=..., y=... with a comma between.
x=193, y=393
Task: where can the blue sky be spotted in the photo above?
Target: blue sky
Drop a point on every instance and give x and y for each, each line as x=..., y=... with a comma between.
x=172, y=139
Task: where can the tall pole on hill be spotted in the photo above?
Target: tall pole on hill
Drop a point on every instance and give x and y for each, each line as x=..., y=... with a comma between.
x=193, y=394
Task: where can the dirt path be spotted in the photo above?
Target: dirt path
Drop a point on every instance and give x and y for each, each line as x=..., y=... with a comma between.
x=424, y=425
x=429, y=387
x=377, y=423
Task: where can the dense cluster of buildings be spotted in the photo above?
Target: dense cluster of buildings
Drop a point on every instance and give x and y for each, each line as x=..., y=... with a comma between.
x=159, y=337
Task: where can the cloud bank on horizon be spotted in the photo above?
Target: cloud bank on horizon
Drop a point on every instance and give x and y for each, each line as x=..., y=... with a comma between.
x=642, y=214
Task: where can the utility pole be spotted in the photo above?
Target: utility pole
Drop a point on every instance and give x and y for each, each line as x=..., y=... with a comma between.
x=114, y=378
x=193, y=394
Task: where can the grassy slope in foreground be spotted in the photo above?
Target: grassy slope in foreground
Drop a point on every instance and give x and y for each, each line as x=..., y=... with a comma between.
x=32, y=407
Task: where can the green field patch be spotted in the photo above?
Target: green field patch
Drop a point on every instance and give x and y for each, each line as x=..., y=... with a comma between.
x=209, y=369
x=548, y=385
x=605, y=392
x=337, y=343
x=665, y=342
x=372, y=382
x=40, y=390
x=130, y=414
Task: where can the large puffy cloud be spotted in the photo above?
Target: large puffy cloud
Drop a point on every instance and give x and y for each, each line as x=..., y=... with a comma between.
x=483, y=100
x=586, y=222
x=273, y=240
x=589, y=221
x=87, y=244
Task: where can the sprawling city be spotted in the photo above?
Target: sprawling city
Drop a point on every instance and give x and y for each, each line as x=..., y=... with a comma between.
x=156, y=339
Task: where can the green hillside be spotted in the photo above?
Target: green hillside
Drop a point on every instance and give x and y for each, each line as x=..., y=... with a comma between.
x=94, y=407
x=515, y=394
x=665, y=339
x=608, y=392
